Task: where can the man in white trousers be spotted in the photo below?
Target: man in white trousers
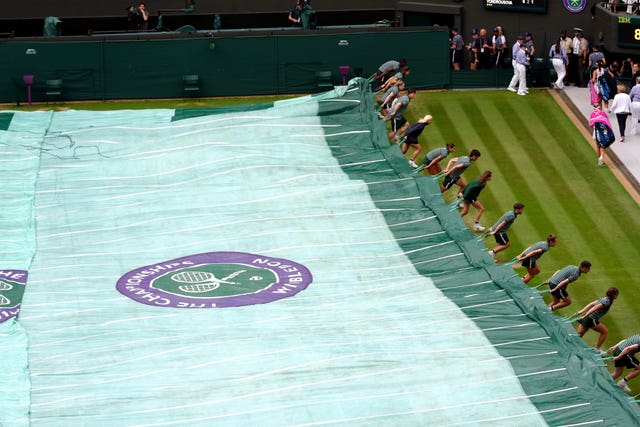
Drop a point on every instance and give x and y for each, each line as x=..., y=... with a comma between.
x=520, y=72
x=514, y=50
x=559, y=60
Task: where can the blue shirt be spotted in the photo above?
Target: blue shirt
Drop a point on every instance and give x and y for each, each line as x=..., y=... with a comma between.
x=559, y=55
x=514, y=49
x=521, y=57
x=635, y=93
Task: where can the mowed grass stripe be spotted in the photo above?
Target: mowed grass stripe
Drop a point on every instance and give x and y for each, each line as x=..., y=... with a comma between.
x=578, y=212
x=511, y=151
x=560, y=167
x=474, y=140
x=595, y=182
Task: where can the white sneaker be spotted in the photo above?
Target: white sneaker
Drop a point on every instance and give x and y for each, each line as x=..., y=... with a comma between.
x=477, y=227
x=599, y=351
x=511, y=89
x=623, y=385
x=522, y=93
x=413, y=164
x=492, y=254
x=397, y=138
x=600, y=161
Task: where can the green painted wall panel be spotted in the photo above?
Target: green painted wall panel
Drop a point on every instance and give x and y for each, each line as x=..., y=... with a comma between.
x=248, y=65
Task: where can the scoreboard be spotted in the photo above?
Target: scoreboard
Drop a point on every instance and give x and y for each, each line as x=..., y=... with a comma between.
x=537, y=6
x=628, y=31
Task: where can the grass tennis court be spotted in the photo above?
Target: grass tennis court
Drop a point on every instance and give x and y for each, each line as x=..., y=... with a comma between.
x=539, y=158
x=378, y=316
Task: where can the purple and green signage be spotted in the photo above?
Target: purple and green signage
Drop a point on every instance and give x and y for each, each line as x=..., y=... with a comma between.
x=12, y=285
x=215, y=280
x=574, y=6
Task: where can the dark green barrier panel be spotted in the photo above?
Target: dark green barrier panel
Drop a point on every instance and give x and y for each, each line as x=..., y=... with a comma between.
x=78, y=64
x=242, y=65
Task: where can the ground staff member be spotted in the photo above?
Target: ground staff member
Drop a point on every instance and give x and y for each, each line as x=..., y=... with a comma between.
x=623, y=353
x=431, y=161
x=591, y=315
x=559, y=282
x=499, y=229
x=454, y=169
x=532, y=254
x=470, y=195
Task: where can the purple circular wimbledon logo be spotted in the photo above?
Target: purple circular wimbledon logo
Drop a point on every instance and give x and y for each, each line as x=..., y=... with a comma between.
x=215, y=280
x=574, y=6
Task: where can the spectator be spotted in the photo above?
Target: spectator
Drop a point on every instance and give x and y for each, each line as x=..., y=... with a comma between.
x=635, y=106
x=579, y=58
x=144, y=17
x=621, y=107
x=559, y=60
x=568, y=46
x=499, y=42
x=295, y=15
x=473, y=60
x=522, y=62
x=482, y=50
x=595, y=56
x=516, y=71
x=456, y=45
x=626, y=69
x=530, y=48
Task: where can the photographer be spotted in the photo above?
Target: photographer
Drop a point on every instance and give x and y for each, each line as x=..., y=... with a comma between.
x=137, y=18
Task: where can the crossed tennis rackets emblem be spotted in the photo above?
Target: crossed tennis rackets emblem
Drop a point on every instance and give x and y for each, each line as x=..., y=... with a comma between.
x=202, y=281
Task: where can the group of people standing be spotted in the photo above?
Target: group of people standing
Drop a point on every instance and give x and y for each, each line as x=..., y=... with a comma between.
x=484, y=51
x=589, y=317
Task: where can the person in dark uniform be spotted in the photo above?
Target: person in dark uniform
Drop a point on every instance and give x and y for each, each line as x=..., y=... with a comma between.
x=591, y=315
x=560, y=281
x=411, y=138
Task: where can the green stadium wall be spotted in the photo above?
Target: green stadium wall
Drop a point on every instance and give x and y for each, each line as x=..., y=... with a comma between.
x=106, y=69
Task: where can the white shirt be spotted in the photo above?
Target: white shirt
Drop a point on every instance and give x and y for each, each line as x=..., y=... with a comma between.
x=621, y=103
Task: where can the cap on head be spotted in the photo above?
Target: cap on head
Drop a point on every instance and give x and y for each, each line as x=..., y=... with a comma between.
x=528, y=34
x=454, y=29
x=475, y=31
x=520, y=38
x=496, y=29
